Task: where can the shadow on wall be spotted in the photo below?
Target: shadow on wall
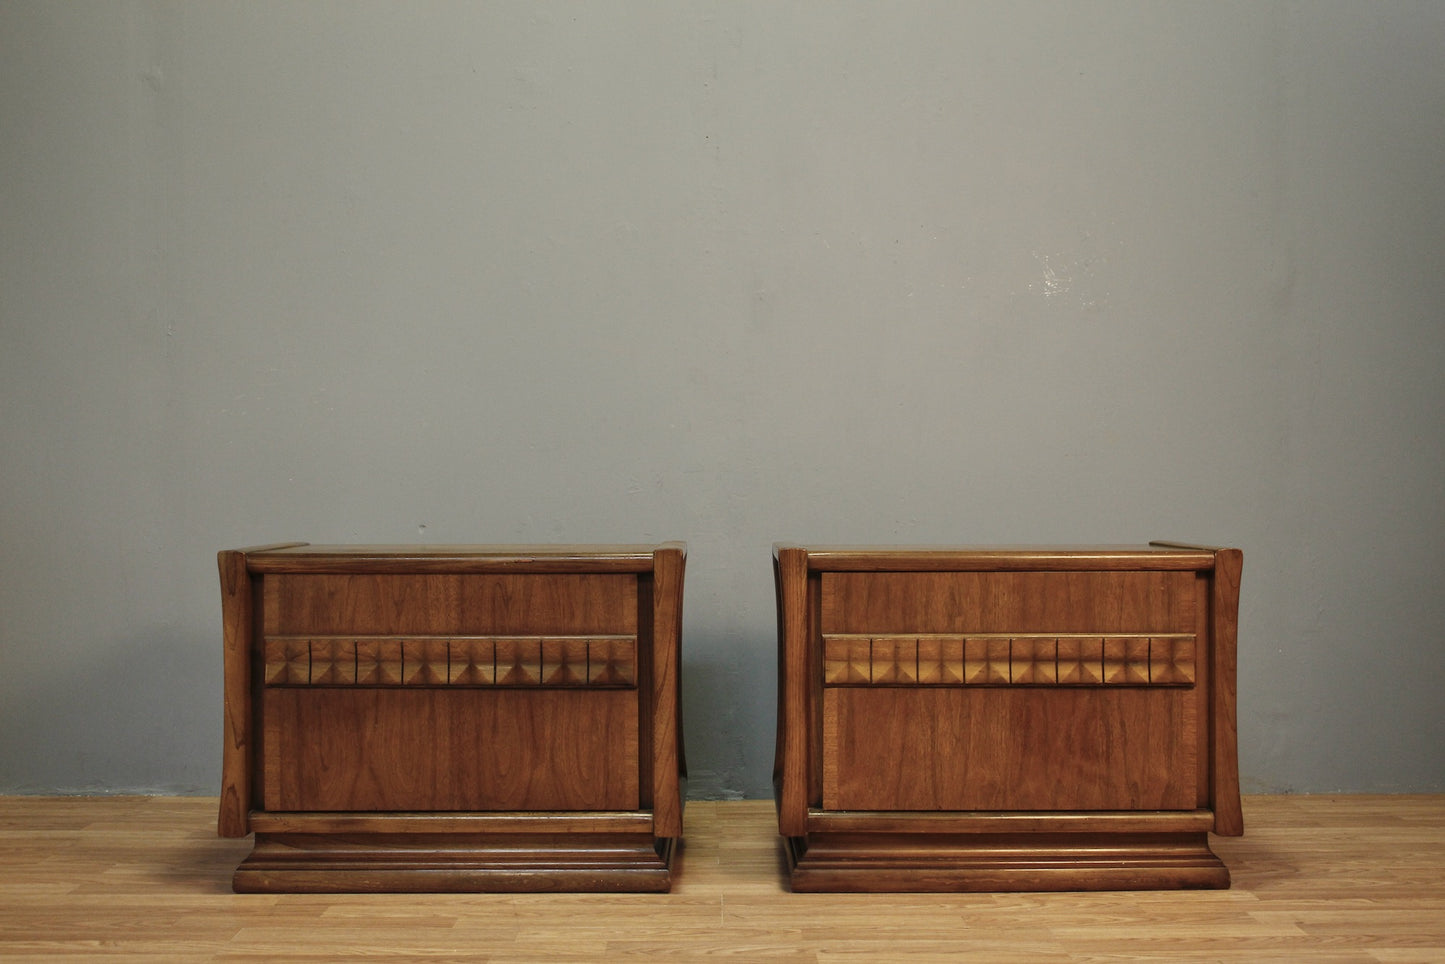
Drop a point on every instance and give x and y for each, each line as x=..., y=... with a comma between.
x=132, y=718
x=728, y=709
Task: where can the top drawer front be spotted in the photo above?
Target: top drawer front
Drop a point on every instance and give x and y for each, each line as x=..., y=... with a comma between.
x=1009, y=602
x=450, y=604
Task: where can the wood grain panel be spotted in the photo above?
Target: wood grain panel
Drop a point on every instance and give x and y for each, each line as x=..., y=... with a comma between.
x=559, y=604
x=667, y=758
x=885, y=603
x=442, y=603
x=1223, y=733
x=335, y=604
x=448, y=749
x=792, y=771
x=1009, y=748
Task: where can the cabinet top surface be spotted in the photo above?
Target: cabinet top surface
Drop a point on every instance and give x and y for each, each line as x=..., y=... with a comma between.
x=301, y=557
x=843, y=558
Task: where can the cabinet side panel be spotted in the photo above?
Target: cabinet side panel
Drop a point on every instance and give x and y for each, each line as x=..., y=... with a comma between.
x=665, y=741
x=792, y=770
x=438, y=749
x=1003, y=602
x=237, y=723
x=1224, y=740
x=985, y=748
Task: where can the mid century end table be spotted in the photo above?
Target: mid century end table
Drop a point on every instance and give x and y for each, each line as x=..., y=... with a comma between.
x=453, y=718
x=1006, y=719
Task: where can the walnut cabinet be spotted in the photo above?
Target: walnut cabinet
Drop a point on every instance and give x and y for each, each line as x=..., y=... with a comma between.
x=1006, y=719
x=458, y=718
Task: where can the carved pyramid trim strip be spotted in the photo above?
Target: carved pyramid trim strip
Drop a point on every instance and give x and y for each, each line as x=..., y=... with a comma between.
x=529, y=661
x=1017, y=659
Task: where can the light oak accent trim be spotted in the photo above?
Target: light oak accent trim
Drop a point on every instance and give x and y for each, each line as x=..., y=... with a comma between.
x=532, y=661
x=1010, y=659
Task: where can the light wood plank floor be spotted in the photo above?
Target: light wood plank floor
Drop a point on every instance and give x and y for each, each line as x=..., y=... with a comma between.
x=1316, y=879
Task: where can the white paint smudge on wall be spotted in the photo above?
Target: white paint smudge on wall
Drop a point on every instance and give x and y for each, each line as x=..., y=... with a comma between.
x=1073, y=278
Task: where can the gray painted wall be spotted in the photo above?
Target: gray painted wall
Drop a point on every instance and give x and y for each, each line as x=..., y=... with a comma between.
x=728, y=272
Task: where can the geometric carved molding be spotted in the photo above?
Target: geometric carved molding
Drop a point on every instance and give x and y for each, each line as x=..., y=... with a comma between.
x=530, y=661
x=1023, y=659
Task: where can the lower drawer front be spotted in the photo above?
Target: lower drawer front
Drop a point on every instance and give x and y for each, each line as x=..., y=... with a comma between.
x=352, y=748
x=1009, y=748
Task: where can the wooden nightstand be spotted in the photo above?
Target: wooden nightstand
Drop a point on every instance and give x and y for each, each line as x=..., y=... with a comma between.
x=453, y=718
x=1006, y=719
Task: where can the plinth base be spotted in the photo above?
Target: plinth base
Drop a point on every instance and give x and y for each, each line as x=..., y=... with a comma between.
x=440, y=863
x=866, y=863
